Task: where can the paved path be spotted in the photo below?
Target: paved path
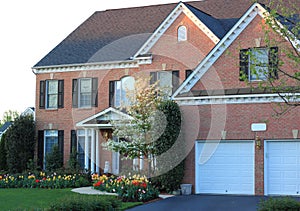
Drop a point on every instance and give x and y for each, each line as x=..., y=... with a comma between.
x=92, y=191
x=203, y=203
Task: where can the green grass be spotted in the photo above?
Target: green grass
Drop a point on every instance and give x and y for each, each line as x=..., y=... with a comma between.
x=34, y=199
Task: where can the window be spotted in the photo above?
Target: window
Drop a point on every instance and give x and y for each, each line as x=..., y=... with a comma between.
x=81, y=148
x=50, y=138
x=257, y=64
x=188, y=73
x=119, y=90
x=51, y=94
x=168, y=80
x=85, y=92
x=181, y=33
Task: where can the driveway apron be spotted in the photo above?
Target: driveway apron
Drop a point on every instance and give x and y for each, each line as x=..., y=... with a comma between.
x=204, y=202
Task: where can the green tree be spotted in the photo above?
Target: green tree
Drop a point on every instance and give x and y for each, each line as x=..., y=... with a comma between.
x=20, y=143
x=9, y=116
x=3, y=154
x=139, y=132
x=169, y=150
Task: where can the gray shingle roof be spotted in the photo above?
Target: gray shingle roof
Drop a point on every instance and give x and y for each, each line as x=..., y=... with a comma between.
x=116, y=35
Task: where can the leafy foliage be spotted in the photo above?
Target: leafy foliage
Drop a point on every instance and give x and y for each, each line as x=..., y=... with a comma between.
x=73, y=164
x=20, y=143
x=3, y=154
x=54, y=159
x=42, y=180
x=170, y=140
x=132, y=188
x=138, y=133
x=9, y=116
x=278, y=204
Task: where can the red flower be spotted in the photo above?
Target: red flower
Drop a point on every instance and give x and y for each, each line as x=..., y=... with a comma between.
x=44, y=178
x=144, y=185
x=37, y=181
x=97, y=184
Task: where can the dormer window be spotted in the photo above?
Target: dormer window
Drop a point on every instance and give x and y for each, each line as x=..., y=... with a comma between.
x=182, y=33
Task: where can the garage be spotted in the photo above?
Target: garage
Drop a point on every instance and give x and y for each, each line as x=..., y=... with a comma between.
x=282, y=167
x=225, y=167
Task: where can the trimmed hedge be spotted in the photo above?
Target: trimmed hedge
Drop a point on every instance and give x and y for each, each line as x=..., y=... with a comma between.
x=279, y=204
x=88, y=203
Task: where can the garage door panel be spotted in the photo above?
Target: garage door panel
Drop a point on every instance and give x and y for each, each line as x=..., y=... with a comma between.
x=230, y=170
x=282, y=168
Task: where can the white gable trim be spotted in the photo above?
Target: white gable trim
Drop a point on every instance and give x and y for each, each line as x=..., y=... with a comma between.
x=179, y=9
x=218, y=50
x=235, y=99
x=102, y=113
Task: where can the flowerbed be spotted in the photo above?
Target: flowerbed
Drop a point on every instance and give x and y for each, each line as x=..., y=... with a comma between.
x=132, y=188
x=42, y=180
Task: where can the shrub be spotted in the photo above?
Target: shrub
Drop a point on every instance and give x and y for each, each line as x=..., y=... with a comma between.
x=54, y=159
x=88, y=203
x=279, y=204
x=133, y=189
x=3, y=154
x=170, y=138
x=20, y=143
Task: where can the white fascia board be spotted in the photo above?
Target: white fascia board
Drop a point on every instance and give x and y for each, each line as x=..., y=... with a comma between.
x=219, y=49
x=179, y=9
x=234, y=99
x=93, y=66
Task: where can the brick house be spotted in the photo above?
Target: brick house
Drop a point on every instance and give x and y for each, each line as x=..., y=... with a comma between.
x=235, y=145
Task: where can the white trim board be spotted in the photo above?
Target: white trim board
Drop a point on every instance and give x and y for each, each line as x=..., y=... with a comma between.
x=179, y=9
x=234, y=99
x=103, y=113
x=219, y=49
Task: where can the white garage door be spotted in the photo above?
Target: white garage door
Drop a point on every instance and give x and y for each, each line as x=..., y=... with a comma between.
x=282, y=168
x=228, y=170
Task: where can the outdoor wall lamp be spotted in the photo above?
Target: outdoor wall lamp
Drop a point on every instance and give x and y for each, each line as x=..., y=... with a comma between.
x=258, y=142
x=105, y=135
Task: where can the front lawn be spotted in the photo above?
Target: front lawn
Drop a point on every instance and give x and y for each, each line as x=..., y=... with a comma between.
x=32, y=199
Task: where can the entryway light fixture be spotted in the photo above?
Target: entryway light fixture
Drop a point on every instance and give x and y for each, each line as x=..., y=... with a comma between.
x=258, y=142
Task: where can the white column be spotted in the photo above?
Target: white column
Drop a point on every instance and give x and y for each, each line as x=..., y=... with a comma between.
x=86, y=149
x=93, y=151
x=97, y=153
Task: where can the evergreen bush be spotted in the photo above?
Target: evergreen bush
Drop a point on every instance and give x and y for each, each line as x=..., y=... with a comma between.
x=170, y=138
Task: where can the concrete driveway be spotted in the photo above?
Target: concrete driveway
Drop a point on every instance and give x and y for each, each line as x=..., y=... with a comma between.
x=203, y=202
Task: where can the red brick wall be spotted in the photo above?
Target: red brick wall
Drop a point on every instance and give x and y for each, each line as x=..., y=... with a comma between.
x=224, y=74
x=174, y=55
x=237, y=121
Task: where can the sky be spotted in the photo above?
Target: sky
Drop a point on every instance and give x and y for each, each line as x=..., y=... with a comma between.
x=30, y=29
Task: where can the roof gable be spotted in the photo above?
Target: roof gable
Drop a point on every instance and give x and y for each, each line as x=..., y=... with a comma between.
x=219, y=49
x=103, y=118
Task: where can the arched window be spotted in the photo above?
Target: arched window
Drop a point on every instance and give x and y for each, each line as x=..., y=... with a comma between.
x=182, y=33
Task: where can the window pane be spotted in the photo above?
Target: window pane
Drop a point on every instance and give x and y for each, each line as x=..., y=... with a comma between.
x=52, y=87
x=52, y=101
x=85, y=100
x=85, y=85
x=117, y=94
x=80, y=151
x=165, y=82
x=259, y=61
x=127, y=85
x=182, y=33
